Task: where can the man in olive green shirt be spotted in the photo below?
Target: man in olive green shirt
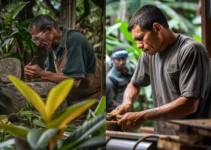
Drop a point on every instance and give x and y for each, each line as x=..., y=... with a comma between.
x=70, y=55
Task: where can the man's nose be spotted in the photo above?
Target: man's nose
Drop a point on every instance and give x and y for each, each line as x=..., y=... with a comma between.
x=140, y=45
x=122, y=62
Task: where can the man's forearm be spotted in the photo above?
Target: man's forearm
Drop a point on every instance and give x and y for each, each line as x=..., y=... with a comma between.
x=177, y=109
x=131, y=92
x=57, y=77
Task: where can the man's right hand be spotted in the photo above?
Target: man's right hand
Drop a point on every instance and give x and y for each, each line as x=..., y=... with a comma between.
x=120, y=110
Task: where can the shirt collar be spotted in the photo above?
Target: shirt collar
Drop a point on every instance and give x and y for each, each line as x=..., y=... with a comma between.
x=62, y=40
x=63, y=36
x=119, y=74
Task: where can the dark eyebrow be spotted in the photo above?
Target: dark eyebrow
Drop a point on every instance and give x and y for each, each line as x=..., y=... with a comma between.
x=138, y=37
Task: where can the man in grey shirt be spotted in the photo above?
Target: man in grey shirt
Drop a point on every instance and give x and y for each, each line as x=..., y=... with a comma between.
x=178, y=69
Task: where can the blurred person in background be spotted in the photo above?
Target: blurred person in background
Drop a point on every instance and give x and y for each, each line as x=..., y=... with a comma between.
x=117, y=78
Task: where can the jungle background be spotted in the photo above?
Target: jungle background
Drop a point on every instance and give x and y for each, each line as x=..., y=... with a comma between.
x=15, y=40
x=26, y=128
x=183, y=17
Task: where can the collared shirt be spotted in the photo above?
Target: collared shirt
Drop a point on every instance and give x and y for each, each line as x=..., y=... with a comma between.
x=116, y=84
x=80, y=56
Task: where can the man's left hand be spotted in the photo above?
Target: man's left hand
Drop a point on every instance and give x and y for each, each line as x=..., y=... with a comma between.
x=131, y=120
x=33, y=71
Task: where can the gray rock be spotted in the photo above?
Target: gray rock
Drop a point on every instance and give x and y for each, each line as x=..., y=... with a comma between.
x=9, y=66
x=42, y=88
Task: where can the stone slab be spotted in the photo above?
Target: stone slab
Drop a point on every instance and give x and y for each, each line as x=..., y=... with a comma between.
x=9, y=66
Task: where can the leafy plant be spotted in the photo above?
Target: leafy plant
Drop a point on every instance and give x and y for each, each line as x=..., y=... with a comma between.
x=14, y=37
x=55, y=123
x=25, y=116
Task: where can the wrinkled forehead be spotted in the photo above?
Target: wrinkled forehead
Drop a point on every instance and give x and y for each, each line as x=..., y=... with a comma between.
x=138, y=29
x=34, y=30
x=138, y=32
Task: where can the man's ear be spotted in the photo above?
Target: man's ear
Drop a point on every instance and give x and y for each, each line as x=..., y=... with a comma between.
x=156, y=27
x=49, y=28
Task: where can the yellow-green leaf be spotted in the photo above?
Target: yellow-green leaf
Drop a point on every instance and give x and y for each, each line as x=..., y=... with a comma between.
x=57, y=95
x=30, y=95
x=15, y=130
x=70, y=114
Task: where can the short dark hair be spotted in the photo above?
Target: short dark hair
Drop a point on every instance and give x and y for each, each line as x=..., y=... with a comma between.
x=41, y=21
x=146, y=16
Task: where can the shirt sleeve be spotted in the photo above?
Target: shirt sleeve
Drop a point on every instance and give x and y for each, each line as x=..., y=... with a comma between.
x=141, y=75
x=194, y=71
x=75, y=63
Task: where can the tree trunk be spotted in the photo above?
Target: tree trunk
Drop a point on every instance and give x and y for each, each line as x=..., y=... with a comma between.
x=68, y=13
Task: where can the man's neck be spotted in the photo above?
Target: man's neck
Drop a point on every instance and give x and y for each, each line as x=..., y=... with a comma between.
x=169, y=38
x=57, y=37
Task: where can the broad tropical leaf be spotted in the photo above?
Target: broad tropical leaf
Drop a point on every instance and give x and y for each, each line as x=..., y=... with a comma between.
x=33, y=136
x=99, y=110
x=7, y=143
x=101, y=106
x=40, y=139
x=81, y=133
x=70, y=114
x=30, y=95
x=14, y=12
x=56, y=96
x=124, y=31
x=112, y=28
x=46, y=137
x=15, y=130
x=39, y=123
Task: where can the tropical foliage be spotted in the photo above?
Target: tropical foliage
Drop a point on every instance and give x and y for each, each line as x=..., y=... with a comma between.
x=14, y=37
x=54, y=123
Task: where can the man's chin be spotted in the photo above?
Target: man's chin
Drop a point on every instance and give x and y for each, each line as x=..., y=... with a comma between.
x=149, y=53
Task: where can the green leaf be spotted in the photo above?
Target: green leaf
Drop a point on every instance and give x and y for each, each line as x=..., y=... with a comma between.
x=112, y=28
x=33, y=137
x=95, y=142
x=184, y=5
x=46, y=137
x=124, y=31
x=7, y=143
x=30, y=95
x=70, y=114
x=172, y=14
x=14, y=12
x=39, y=139
x=85, y=130
x=15, y=130
x=39, y=123
x=90, y=115
x=197, y=38
x=100, y=108
x=56, y=96
x=8, y=92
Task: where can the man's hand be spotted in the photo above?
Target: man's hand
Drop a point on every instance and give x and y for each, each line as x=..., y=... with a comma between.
x=33, y=71
x=120, y=110
x=131, y=120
